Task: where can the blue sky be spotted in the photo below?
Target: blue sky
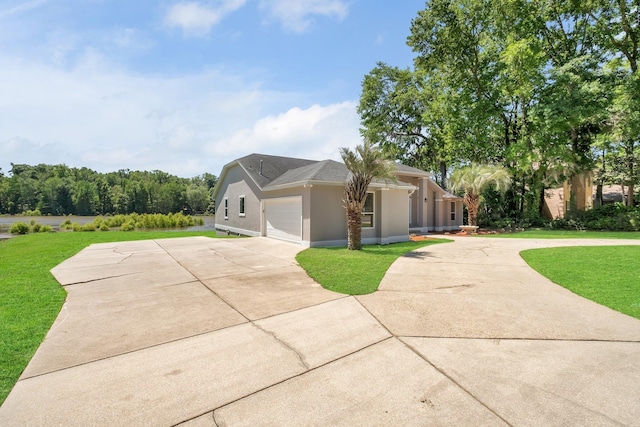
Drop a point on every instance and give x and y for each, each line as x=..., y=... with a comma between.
x=188, y=86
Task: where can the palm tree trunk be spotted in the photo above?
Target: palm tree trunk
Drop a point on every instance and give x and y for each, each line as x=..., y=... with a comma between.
x=472, y=201
x=354, y=230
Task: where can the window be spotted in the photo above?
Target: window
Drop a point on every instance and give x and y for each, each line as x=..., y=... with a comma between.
x=367, y=211
x=453, y=211
x=241, y=206
x=226, y=208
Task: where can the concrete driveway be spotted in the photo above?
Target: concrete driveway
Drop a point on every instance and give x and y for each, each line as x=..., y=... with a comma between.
x=205, y=332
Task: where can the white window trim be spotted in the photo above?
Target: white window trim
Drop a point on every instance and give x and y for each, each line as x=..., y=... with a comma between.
x=225, y=207
x=373, y=212
x=242, y=207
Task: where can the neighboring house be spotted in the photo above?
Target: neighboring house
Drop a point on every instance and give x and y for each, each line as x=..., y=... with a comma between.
x=301, y=201
x=556, y=204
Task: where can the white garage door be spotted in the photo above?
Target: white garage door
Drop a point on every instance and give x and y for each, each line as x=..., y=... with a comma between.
x=283, y=217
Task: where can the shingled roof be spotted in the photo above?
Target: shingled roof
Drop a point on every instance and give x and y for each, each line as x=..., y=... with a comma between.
x=271, y=172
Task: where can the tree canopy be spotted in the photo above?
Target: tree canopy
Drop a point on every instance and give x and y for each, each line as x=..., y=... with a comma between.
x=548, y=89
x=61, y=190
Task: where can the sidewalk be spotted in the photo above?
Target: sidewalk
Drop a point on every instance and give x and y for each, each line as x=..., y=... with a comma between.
x=209, y=332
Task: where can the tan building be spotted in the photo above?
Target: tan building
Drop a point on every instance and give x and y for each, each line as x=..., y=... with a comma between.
x=301, y=201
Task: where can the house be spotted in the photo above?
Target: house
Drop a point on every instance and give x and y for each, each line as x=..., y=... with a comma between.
x=301, y=201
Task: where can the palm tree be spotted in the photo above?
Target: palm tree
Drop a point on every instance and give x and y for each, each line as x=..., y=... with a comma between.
x=473, y=179
x=366, y=163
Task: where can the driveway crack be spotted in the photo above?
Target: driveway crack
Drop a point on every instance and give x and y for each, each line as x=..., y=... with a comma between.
x=285, y=344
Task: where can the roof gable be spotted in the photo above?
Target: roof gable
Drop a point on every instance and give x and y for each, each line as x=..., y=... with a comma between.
x=264, y=169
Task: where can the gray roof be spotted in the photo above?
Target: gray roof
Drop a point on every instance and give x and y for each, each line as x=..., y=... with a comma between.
x=411, y=170
x=264, y=169
x=276, y=171
x=325, y=170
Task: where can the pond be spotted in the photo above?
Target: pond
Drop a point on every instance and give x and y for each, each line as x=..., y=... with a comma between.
x=55, y=221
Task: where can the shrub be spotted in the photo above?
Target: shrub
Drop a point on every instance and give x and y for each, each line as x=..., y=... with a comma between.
x=612, y=217
x=35, y=212
x=89, y=227
x=45, y=228
x=19, y=228
x=104, y=227
x=127, y=226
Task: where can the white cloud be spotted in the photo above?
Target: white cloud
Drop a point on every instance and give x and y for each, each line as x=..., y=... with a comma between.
x=103, y=117
x=20, y=7
x=316, y=133
x=295, y=15
x=197, y=18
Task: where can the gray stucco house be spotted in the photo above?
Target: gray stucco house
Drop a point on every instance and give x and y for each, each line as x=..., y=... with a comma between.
x=300, y=200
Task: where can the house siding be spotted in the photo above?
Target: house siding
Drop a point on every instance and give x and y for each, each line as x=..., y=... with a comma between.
x=236, y=184
x=327, y=214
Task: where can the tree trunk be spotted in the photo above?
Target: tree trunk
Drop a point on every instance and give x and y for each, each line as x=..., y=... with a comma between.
x=630, y=195
x=598, y=201
x=472, y=201
x=354, y=230
x=443, y=175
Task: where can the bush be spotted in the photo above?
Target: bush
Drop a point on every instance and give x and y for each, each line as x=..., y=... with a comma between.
x=104, y=227
x=45, y=229
x=89, y=227
x=19, y=228
x=127, y=226
x=612, y=217
x=35, y=212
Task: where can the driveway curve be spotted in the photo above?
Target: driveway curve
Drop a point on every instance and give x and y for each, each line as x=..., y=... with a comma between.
x=212, y=332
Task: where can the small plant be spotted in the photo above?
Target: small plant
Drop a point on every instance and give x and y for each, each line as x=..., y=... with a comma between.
x=89, y=227
x=35, y=212
x=19, y=228
x=127, y=226
x=104, y=227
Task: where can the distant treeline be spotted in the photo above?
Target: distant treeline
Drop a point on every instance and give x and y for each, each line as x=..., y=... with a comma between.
x=61, y=190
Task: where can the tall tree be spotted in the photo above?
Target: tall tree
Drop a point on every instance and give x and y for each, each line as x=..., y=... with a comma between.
x=366, y=163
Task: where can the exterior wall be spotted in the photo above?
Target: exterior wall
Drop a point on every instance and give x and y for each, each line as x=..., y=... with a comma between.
x=237, y=183
x=452, y=224
x=329, y=222
x=393, y=208
x=328, y=218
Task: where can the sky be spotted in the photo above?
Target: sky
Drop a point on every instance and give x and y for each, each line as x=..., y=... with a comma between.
x=186, y=87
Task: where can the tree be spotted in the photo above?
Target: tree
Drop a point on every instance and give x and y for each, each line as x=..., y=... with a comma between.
x=366, y=163
x=473, y=180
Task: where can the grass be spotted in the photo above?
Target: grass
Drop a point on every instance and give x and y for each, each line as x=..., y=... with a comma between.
x=354, y=272
x=32, y=298
x=569, y=234
x=608, y=275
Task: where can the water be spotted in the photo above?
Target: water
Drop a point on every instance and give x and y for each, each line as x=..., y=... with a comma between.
x=55, y=221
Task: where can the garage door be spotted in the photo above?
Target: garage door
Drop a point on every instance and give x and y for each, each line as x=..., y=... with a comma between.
x=283, y=217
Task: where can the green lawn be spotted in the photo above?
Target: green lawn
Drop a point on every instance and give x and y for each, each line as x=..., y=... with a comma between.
x=568, y=234
x=31, y=297
x=608, y=275
x=355, y=272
